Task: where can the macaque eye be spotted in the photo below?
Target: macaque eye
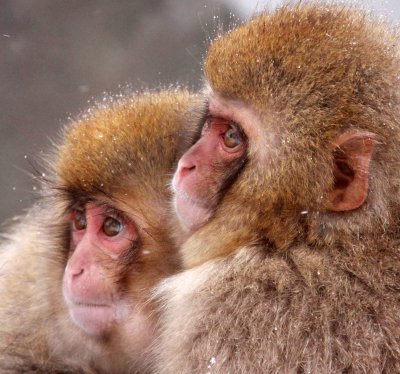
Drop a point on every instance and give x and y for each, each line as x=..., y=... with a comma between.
x=112, y=227
x=232, y=138
x=79, y=220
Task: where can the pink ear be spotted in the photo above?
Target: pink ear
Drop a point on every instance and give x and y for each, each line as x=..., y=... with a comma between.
x=352, y=155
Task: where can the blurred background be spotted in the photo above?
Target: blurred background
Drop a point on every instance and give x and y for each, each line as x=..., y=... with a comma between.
x=58, y=56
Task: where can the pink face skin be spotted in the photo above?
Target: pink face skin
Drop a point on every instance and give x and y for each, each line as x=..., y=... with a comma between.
x=204, y=167
x=99, y=236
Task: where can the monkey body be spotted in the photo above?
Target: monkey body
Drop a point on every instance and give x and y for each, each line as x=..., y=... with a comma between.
x=76, y=271
x=292, y=263
x=313, y=311
x=32, y=319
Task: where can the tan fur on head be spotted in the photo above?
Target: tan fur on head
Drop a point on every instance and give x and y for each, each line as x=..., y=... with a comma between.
x=109, y=150
x=310, y=72
x=102, y=153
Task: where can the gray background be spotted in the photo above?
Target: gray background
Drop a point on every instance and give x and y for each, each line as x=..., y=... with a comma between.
x=57, y=56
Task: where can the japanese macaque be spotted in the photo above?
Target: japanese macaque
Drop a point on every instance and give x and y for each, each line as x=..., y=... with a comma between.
x=75, y=274
x=290, y=194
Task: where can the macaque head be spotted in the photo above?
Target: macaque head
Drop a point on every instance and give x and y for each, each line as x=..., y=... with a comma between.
x=113, y=170
x=302, y=108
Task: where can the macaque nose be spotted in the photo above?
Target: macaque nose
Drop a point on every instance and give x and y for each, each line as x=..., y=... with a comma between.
x=191, y=163
x=186, y=166
x=75, y=271
x=185, y=170
x=78, y=263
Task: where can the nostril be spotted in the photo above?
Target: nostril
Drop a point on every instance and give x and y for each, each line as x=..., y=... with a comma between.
x=184, y=171
x=77, y=272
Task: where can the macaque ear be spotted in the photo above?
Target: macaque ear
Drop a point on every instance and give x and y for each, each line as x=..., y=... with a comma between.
x=351, y=158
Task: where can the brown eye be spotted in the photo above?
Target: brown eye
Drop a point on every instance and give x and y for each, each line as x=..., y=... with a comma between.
x=232, y=138
x=79, y=220
x=112, y=227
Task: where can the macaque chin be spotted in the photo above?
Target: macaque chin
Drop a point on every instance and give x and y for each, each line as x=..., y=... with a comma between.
x=100, y=234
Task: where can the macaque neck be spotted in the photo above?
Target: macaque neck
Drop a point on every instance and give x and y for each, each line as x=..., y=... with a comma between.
x=209, y=243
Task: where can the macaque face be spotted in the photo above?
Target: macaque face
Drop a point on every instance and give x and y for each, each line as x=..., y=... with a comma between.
x=233, y=132
x=207, y=168
x=99, y=235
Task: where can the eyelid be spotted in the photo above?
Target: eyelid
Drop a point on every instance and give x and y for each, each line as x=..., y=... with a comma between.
x=231, y=123
x=76, y=209
x=118, y=215
x=238, y=128
x=217, y=119
x=114, y=213
x=213, y=120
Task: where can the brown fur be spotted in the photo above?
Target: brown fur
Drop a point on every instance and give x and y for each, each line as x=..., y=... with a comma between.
x=275, y=283
x=123, y=152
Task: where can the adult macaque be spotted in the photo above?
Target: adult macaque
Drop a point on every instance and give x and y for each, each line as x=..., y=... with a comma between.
x=291, y=196
x=75, y=274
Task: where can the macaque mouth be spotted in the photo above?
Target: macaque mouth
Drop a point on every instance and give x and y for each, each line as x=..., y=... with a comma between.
x=192, y=213
x=181, y=194
x=92, y=305
x=94, y=319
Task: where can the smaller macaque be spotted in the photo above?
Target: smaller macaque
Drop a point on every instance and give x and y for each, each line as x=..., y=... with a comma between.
x=76, y=272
